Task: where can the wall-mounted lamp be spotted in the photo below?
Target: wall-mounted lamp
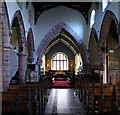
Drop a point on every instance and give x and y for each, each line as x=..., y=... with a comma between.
x=15, y=49
x=111, y=51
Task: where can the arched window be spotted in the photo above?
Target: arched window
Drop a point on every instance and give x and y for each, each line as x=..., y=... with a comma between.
x=104, y=4
x=92, y=20
x=59, y=61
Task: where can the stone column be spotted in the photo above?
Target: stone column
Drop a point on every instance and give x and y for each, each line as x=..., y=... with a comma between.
x=31, y=58
x=119, y=46
x=30, y=42
x=1, y=36
x=103, y=54
x=6, y=66
x=22, y=67
x=4, y=49
x=103, y=66
x=101, y=59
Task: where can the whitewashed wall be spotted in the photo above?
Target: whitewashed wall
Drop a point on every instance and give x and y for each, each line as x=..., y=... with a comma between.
x=12, y=7
x=48, y=19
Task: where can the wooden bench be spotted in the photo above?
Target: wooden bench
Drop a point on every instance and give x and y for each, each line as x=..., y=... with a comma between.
x=81, y=86
x=8, y=98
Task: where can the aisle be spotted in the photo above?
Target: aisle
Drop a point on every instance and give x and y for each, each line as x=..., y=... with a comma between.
x=63, y=102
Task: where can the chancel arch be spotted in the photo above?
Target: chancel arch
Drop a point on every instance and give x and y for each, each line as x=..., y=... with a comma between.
x=108, y=43
x=55, y=31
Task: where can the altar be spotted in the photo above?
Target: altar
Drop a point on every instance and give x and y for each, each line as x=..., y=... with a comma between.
x=60, y=72
x=60, y=75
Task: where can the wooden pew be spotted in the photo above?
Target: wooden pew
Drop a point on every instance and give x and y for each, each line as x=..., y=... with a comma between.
x=34, y=98
x=107, y=94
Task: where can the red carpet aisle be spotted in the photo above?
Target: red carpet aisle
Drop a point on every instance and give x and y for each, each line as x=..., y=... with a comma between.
x=61, y=84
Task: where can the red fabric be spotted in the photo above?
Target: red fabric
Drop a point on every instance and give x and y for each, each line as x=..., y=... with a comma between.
x=61, y=83
x=60, y=78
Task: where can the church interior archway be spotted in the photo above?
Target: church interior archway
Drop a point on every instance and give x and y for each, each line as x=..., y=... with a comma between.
x=53, y=61
x=30, y=46
x=14, y=37
x=93, y=52
x=67, y=39
x=108, y=45
x=63, y=42
x=19, y=48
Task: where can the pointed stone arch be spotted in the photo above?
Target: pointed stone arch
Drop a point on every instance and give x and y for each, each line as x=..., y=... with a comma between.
x=22, y=45
x=30, y=46
x=22, y=39
x=93, y=34
x=109, y=18
x=54, y=32
x=93, y=50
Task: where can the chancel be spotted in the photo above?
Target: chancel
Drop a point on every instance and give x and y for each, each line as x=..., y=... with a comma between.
x=59, y=57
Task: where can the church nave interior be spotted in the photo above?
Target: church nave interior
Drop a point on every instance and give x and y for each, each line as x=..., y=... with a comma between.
x=59, y=57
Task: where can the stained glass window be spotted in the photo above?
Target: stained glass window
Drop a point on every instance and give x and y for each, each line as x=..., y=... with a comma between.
x=59, y=61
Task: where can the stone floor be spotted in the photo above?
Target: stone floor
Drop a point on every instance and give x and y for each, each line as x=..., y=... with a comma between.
x=63, y=102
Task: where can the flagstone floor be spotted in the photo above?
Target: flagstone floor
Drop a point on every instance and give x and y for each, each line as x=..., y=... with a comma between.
x=63, y=102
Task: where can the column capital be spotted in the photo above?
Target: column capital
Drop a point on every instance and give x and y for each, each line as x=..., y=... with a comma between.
x=5, y=45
